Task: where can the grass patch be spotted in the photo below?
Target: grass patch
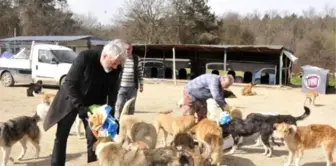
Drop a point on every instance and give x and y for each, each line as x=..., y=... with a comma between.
x=298, y=81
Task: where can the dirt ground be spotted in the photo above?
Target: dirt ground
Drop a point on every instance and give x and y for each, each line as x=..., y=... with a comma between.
x=156, y=97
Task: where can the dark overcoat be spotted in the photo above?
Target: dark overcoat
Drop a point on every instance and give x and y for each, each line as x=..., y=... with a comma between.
x=81, y=79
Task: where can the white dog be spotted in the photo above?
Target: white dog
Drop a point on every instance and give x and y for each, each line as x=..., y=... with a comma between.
x=42, y=110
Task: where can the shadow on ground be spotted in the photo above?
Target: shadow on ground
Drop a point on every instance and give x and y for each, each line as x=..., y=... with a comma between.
x=44, y=161
x=317, y=164
x=236, y=161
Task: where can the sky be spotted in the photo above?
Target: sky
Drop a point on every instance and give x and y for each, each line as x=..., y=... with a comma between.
x=105, y=10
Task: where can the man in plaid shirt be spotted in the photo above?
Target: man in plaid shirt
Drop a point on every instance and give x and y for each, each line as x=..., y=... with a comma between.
x=203, y=87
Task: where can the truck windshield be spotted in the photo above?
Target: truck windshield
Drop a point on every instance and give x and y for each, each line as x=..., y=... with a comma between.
x=65, y=56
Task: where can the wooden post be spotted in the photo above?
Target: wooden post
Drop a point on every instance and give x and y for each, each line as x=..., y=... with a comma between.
x=174, y=66
x=281, y=68
x=225, y=57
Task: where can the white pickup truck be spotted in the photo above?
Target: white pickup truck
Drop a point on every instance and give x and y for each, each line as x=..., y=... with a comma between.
x=45, y=62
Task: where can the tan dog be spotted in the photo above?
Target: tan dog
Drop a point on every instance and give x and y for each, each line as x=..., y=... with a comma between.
x=208, y=131
x=126, y=124
x=173, y=125
x=95, y=121
x=247, y=90
x=311, y=97
x=298, y=139
x=113, y=154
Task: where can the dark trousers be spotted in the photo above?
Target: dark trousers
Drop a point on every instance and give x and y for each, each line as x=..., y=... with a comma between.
x=62, y=133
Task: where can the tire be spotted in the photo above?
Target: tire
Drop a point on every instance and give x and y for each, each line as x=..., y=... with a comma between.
x=7, y=79
x=62, y=81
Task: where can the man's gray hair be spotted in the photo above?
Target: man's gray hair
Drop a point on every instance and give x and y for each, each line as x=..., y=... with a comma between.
x=116, y=48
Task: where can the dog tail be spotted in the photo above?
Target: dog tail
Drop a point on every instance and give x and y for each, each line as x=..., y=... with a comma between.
x=166, y=112
x=36, y=117
x=126, y=107
x=305, y=114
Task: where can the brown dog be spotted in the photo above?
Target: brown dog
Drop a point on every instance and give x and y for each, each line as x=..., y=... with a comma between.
x=173, y=125
x=208, y=131
x=199, y=154
x=247, y=90
x=297, y=139
x=311, y=97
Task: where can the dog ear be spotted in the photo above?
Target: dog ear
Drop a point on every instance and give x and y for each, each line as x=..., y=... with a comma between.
x=292, y=129
x=89, y=113
x=275, y=125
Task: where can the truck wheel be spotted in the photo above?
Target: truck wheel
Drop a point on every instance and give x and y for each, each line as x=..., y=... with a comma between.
x=7, y=79
x=62, y=80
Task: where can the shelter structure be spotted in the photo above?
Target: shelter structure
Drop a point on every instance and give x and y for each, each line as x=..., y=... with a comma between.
x=77, y=43
x=242, y=57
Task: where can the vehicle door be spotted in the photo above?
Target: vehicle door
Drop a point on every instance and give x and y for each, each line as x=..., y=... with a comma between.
x=46, y=66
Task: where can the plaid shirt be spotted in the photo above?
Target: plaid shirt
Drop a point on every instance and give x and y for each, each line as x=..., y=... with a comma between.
x=204, y=87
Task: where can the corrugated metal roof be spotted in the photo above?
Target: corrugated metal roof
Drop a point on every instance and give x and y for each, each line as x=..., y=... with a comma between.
x=202, y=46
x=45, y=38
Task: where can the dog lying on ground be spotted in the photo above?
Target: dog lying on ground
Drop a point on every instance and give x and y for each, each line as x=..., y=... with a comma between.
x=209, y=132
x=35, y=88
x=311, y=97
x=21, y=129
x=258, y=123
x=43, y=108
x=173, y=125
x=113, y=154
x=247, y=90
x=300, y=138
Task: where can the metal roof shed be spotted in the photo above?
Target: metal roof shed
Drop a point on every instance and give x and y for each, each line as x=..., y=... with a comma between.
x=199, y=54
x=21, y=40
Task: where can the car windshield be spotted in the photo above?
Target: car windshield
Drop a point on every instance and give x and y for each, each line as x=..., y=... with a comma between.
x=65, y=56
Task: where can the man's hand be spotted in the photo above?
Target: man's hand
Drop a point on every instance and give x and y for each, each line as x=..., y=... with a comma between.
x=227, y=108
x=141, y=88
x=82, y=112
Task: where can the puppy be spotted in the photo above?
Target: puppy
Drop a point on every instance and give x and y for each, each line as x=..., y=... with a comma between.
x=173, y=125
x=34, y=88
x=311, y=97
x=247, y=90
x=258, y=123
x=21, y=129
x=208, y=131
x=298, y=139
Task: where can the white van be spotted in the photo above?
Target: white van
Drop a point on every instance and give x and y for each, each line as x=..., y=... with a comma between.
x=45, y=62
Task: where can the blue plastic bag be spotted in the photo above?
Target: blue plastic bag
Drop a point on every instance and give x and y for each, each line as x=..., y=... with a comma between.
x=109, y=125
x=224, y=118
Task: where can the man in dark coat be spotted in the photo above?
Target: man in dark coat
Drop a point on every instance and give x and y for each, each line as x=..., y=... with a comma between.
x=92, y=79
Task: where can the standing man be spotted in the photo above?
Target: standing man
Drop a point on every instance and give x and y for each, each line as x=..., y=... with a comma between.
x=92, y=78
x=131, y=81
x=203, y=87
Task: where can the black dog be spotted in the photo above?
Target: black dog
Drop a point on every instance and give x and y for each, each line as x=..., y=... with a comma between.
x=258, y=123
x=229, y=94
x=35, y=88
